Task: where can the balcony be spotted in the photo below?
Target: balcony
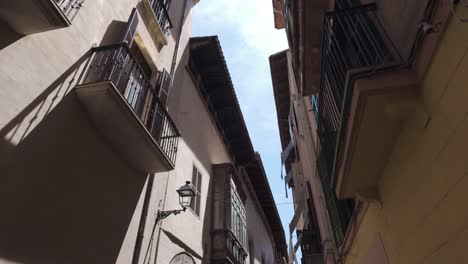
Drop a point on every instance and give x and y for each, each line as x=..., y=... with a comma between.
x=126, y=110
x=229, y=249
x=355, y=130
x=235, y=249
x=311, y=246
x=33, y=16
x=339, y=211
x=159, y=22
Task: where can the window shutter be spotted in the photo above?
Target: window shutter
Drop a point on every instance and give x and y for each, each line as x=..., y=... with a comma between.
x=194, y=176
x=119, y=57
x=199, y=181
x=130, y=31
x=197, y=209
x=157, y=119
x=194, y=183
x=120, y=70
x=163, y=86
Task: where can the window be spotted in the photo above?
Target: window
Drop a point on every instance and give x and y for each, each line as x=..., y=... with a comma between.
x=140, y=59
x=135, y=89
x=339, y=211
x=314, y=102
x=161, y=10
x=70, y=7
x=293, y=128
x=196, y=183
x=238, y=217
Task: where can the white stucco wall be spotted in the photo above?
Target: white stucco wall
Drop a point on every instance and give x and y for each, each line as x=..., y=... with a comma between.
x=38, y=70
x=30, y=65
x=259, y=234
x=200, y=144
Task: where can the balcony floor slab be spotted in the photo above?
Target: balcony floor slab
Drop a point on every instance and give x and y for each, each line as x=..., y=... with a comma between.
x=120, y=126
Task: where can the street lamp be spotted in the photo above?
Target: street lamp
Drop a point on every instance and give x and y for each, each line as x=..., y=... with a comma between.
x=186, y=195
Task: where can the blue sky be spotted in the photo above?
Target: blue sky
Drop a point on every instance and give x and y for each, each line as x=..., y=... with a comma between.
x=248, y=37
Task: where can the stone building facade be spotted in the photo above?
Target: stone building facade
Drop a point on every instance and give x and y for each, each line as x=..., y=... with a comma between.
x=372, y=92
x=102, y=119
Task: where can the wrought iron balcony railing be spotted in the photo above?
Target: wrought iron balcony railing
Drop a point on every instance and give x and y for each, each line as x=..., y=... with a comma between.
x=160, y=8
x=115, y=63
x=234, y=247
x=339, y=211
x=352, y=39
x=70, y=7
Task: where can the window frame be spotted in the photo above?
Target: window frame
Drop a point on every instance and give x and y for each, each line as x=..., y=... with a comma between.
x=238, y=216
x=196, y=183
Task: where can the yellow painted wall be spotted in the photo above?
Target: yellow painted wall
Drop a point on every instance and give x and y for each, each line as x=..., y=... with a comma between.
x=424, y=187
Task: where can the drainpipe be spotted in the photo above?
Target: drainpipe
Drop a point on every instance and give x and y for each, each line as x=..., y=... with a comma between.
x=144, y=215
x=149, y=188
x=159, y=230
x=174, y=60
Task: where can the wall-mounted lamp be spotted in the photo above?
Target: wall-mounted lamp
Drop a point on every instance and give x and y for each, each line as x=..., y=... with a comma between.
x=186, y=195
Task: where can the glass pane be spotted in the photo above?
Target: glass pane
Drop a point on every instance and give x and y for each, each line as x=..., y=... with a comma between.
x=197, y=208
x=199, y=182
x=192, y=205
x=238, y=219
x=194, y=175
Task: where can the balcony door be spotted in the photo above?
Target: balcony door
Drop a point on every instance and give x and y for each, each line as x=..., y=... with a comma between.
x=157, y=106
x=138, y=83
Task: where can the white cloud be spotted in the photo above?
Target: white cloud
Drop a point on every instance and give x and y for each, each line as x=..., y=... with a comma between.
x=248, y=37
x=252, y=18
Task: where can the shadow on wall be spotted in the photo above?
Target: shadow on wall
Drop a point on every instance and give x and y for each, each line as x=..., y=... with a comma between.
x=114, y=32
x=9, y=36
x=19, y=127
x=65, y=196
